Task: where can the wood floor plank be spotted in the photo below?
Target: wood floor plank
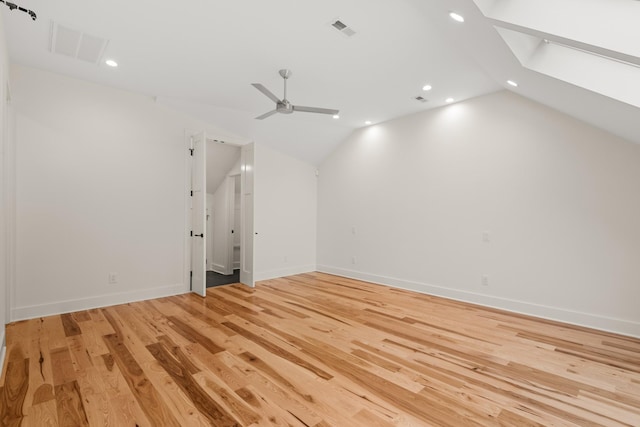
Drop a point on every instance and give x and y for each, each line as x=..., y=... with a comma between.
x=315, y=350
x=122, y=407
x=70, y=325
x=14, y=389
x=69, y=405
x=43, y=414
x=142, y=389
x=207, y=406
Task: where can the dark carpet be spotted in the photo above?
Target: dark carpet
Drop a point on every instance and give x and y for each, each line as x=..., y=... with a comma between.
x=217, y=279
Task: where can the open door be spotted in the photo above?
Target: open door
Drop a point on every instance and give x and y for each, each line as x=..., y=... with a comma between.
x=246, y=214
x=199, y=214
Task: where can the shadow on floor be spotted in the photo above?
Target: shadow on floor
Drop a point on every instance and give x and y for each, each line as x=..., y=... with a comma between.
x=217, y=279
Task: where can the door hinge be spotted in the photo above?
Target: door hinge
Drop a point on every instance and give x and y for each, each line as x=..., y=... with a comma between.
x=191, y=151
x=191, y=193
x=192, y=236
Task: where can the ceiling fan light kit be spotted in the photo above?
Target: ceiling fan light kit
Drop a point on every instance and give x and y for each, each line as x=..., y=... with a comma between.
x=283, y=106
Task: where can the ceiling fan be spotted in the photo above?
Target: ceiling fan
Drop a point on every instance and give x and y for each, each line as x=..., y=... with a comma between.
x=284, y=106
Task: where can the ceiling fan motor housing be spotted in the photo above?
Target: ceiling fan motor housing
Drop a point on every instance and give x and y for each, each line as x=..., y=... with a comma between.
x=284, y=107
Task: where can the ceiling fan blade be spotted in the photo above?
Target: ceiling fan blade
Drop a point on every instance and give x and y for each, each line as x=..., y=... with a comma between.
x=314, y=110
x=265, y=115
x=266, y=91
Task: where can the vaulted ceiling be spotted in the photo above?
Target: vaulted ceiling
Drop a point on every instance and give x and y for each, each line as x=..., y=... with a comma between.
x=578, y=56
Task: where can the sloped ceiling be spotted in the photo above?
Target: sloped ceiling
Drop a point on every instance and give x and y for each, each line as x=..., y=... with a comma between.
x=580, y=57
x=221, y=158
x=201, y=57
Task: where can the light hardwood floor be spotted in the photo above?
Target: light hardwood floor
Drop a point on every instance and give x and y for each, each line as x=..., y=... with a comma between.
x=314, y=350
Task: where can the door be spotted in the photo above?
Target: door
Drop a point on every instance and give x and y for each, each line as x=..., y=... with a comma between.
x=246, y=214
x=199, y=214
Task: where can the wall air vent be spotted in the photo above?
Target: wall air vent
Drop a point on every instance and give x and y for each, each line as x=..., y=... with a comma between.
x=76, y=44
x=343, y=28
x=421, y=99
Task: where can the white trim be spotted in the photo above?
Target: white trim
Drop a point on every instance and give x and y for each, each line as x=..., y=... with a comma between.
x=3, y=353
x=217, y=268
x=283, y=272
x=603, y=323
x=34, y=311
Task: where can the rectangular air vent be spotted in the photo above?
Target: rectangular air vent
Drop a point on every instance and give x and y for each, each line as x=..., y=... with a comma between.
x=76, y=44
x=343, y=28
x=339, y=25
x=420, y=99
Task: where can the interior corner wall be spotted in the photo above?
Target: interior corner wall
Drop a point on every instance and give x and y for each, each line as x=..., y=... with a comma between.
x=6, y=195
x=285, y=212
x=412, y=202
x=102, y=177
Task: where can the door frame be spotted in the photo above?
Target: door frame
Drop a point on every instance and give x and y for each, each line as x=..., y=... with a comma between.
x=188, y=133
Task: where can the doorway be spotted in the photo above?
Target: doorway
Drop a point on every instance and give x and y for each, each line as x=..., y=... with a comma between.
x=223, y=221
x=221, y=176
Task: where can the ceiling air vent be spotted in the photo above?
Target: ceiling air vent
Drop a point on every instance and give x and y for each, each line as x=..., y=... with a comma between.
x=343, y=28
x=76, y=44
x=421, y=99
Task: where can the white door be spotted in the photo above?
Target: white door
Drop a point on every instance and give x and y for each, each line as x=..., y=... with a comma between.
x=199, y=214
x=246, y=213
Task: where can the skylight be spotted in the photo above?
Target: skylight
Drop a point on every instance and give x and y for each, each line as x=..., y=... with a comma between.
x=584, y=49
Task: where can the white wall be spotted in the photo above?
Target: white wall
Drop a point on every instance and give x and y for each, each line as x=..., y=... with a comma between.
x=285, y=215
x=101, y=187
x=210, y=236
x=7, y=194
x=220, y=204
x=237, y=222
x=411, y=198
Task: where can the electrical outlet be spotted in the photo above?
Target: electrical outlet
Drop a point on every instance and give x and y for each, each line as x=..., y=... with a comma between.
x=353, y=231
x=486, y=237
x=113, y=278
x=285, y=259
x=485, y=280
x=353, y=260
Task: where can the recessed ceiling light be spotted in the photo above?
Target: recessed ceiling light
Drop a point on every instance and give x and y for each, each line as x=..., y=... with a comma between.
x=336, y=116
x=512, y=83
x=449, y=100
x=111, y=63
x=456, y=17
x=426, y=88
x=368, y=122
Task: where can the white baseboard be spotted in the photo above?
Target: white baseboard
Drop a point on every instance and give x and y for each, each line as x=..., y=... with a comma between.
x=218, y=268
x=3, y=351
x=283, y=272
x=604, y=323
x=59, y=307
